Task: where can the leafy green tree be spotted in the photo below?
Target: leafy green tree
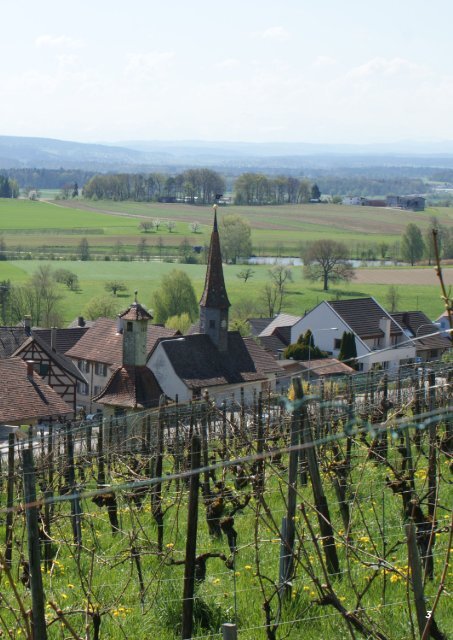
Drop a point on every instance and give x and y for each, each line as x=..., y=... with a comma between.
x=83, y=250
x=142, y=248
x=315, y=192
x=304, y=349
x=3, y=255
x=348, y=349
x=174, y=297
x=114, y=286
x=5, y=293
x=180, y=323
x=327, y=260
x=392, y=298
x=412, y=246
x=185, y=251
x=70, y=279
x=235, y=238
x=101, y=307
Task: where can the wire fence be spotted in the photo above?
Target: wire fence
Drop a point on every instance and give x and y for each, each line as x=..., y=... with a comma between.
x=294, y=520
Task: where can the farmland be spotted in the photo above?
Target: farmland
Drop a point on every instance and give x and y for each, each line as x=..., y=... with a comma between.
x=53, y=230
x=275, y=230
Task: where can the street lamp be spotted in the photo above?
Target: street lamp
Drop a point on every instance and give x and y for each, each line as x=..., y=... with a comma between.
x=309, y=349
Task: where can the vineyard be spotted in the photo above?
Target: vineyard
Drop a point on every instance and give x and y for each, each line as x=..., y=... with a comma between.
x=324, y=512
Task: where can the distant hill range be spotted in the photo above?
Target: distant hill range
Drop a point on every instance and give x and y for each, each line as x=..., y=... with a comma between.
x=136, y=155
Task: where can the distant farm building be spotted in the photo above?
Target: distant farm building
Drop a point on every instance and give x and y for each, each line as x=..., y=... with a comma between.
x=409, y=203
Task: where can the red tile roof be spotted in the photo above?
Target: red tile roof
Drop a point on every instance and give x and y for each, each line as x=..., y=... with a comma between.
x=131, y=387
x=103, y=343
x=136, y=312
x=25, y=398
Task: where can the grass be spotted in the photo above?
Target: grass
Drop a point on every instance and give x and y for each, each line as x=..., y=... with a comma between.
x=146, y=277
x=61, y=224
x=106, y=572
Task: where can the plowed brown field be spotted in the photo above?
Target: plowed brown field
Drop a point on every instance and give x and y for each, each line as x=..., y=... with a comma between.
x=402, y=276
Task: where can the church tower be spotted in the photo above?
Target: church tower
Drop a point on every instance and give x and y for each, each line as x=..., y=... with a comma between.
x=135, y=331
x=214, y=303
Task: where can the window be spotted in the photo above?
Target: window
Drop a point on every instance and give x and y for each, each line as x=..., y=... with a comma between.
x=212, y=324
x=82, y=388
x=97, y=389
x=84, y=366
x=43, y=369
x=100, y=369
x=337, y=343
x=129, y=326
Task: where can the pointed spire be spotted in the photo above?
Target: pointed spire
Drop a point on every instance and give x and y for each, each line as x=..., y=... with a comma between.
x=215, y=294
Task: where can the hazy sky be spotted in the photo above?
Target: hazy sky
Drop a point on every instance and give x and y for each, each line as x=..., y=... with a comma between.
x=252, y=70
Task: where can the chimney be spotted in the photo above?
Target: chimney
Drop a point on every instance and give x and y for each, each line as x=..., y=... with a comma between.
x=53, y=338
x=30, y=364
x=27, y=325
x=384, y=325
x=80, y=321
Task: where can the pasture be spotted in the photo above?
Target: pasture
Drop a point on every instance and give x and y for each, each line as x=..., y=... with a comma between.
x=302, y=294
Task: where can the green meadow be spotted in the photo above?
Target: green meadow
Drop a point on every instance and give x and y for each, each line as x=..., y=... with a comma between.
x=146, y=276
x=53, y=229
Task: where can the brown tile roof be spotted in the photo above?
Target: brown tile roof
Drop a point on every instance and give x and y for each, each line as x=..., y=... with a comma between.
x=272, y=344
x=363, y=316
x=23, y=397
x=215, y=293
x=103, y=343
x=131, y=387
x=136, y=312
x=65, y=338
x=196, y=360
x=263, y=360
x=416, y=324
x=10, y=339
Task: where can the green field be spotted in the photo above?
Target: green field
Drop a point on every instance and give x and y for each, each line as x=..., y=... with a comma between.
x=52, y=230
x=146, y=276
x=275, y=229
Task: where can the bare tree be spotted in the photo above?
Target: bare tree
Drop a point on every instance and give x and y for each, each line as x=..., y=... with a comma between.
x=327, y=260
x=245, y=274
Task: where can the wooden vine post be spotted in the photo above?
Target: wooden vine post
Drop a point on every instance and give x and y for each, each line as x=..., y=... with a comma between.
x=34, y=557
x=322, y=508
x=191, y=542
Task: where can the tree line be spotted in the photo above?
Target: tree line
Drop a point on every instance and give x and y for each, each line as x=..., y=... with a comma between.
x=194, y=186
x=8, y=187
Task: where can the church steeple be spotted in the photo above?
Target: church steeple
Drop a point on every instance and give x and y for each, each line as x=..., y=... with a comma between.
x=214, y=303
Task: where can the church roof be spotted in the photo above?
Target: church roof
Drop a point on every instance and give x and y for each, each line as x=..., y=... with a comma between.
x=215, y=293
x=198, y=363
x=131, y=387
